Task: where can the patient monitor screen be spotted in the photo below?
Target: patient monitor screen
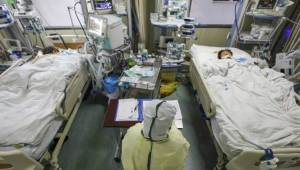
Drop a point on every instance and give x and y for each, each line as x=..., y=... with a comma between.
x=97, y=25
x=266, y=4
x=102, y=4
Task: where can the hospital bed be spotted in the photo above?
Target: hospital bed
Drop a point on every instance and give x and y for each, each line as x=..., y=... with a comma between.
x=248, y=158
x=33, y=157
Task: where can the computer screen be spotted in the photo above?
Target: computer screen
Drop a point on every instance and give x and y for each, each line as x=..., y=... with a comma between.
x=266, y=4
x=102, y=4
x=97, y=25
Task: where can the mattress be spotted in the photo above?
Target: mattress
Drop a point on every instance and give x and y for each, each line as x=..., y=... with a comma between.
x=36, y=151
x=255, y=108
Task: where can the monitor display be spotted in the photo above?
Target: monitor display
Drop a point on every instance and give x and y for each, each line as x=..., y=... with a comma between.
x=97, y=26
x=266, y=4
x=102, y=4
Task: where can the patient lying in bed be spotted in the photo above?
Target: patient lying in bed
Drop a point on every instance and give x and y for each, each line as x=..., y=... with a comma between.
x=29, y=95
x=228, y=54
x=255, y=108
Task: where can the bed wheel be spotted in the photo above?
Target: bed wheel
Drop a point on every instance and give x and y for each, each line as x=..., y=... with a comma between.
x=219, y=168
x=220, y=164
x=194, y=92
x=66, y=138
x=55, y=166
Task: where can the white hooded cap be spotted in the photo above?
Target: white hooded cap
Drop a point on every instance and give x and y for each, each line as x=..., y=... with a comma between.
x=165, y=116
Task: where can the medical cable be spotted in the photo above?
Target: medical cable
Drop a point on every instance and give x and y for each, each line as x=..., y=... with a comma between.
x=235, y=18
x=150, y=136
x=84, y=32
x=36, y=39
x=63, y=41
x=73, y=26
x=41, y=39
x=91, y=68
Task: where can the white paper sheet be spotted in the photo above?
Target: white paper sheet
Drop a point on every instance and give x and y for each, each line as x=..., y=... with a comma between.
x=127, y=110
x=130, y=79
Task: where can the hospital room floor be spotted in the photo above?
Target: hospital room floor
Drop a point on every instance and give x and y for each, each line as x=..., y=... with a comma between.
x=90, y=146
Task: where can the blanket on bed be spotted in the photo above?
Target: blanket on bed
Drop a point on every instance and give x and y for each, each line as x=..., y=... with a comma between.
x=256, y=107
x=29, y=95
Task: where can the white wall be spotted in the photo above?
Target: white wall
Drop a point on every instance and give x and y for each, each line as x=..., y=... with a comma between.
x=209, y=12
x=54, y=13
x=210, y=37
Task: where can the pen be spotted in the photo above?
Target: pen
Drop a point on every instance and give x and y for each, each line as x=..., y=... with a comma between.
x=132, y=112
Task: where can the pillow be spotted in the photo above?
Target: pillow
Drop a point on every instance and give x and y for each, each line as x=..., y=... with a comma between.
x=209, y=53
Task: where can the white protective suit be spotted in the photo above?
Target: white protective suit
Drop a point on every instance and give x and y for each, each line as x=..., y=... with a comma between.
x=167, y=154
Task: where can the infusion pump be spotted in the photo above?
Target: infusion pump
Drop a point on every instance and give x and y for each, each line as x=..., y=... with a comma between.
x=99, y=6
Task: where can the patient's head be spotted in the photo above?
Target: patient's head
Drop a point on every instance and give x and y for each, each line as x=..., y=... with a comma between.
x=225, y=54
x=50, y=50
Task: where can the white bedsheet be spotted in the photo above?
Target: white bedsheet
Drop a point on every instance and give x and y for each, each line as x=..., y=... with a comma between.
x=37, y=151
x=29, y=95
x=256, y=108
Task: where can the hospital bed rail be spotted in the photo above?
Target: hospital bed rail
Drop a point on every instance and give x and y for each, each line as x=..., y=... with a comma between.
x=68, y=108
x=204, y=96
x=15, y=64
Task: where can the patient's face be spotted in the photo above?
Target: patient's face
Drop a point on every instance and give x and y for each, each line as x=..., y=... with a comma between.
x=226, y=55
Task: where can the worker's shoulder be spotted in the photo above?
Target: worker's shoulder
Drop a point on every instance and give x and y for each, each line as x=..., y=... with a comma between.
x=176, y=136
x=135, y=130
x=136, y=127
